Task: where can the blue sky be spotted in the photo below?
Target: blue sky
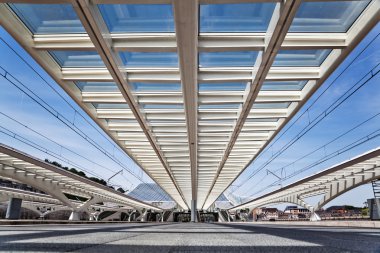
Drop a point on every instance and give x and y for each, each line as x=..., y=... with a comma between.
x=17, y=105
x=359, y=107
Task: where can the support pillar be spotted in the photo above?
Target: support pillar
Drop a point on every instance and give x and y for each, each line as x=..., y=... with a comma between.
x=315, y=217
x=144, y=216
x=14, y=209
x=74, y=216
x=93, y=217
x=374, y=208
x=194, y=210
x=132, y=216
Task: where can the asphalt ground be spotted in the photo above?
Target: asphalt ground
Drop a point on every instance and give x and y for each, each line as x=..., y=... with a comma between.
x=187, y=237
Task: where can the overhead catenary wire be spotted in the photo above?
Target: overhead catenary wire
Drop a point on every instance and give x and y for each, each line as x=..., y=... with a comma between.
x=373, y=135
x=76, y=112
x=283, y=168
x=344, y=97
x=322, y=93
x=12, y=134
x=57, y=156
x=49, y=152
x=331, y=141
x=55, y=113
x=22, y=87
x=310, y=106
x=62, y=147
x=51, y=140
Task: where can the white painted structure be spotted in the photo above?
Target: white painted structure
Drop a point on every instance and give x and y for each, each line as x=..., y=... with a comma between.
x=328, y=184
x=18, y=166
x=44, y=204
x=197, y=148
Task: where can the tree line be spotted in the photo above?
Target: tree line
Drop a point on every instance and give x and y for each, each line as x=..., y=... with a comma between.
x=82, y=174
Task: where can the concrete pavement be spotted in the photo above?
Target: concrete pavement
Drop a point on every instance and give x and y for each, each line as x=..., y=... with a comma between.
x=328, y=223
x=187, y=237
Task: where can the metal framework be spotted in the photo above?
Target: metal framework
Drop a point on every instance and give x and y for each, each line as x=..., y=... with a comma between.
x=44, y=204
x=6, y=193
x=193, y=142
x=21, y=167
x=328, y=184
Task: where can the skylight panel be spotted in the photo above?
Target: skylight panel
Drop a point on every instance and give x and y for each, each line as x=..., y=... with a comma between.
x=155, y=87
x=97, y=86
x=327, y=16
x=48, y=18
x=261, y=119
x=162, y=106
x=283, y=85
x=280, y=105
x=228, y=59
x=149, y=59
x=301, y=58
x=138, y=18
x=77, y=58
x=241, y=86
x=110, y=106
x=220, y=106
x=242, y=17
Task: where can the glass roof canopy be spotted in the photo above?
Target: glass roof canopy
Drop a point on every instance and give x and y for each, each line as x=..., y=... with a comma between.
x=192, y=92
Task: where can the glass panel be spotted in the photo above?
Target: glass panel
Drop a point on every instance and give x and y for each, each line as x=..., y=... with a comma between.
x=283, y=85
x=280, y=105
x=301, y=58
x=228, y=59
x=218, y=121
x=246, y=17
x=110, y=106
x=261, y=120
x=149, y=59
x=97, y=86
x=120, y=121
x=77, y=58
x=327, y=16
x=222, y=86
x=138, y=17
x=49, y=18
x=224, y=106
x=162, y=106
x=156, y=86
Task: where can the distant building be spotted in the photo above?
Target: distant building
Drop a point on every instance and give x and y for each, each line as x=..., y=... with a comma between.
x=265, y=213
x=295, y=212
x=345, y=210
